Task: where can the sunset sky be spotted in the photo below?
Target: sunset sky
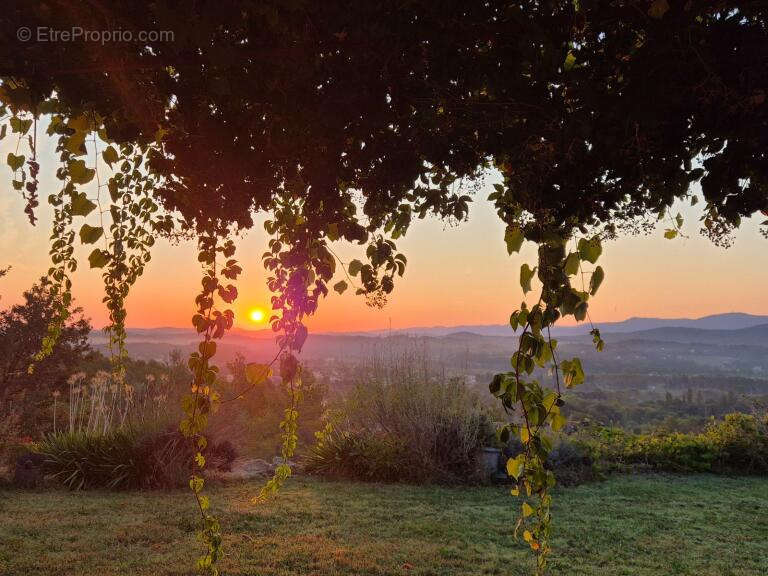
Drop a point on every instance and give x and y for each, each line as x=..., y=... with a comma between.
x=455, y=275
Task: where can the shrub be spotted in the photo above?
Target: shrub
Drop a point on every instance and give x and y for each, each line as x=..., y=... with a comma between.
x=403, y=424
x=126, y=458
x=79, y=460
x=341, y=454
x=571, y=462
x=738, y=444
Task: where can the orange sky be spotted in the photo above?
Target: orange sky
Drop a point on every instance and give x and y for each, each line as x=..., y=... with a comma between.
x=455, y=275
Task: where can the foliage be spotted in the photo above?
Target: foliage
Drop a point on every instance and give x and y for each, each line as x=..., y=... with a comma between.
x=22, y=328
x=80, y=461
x=347, y=121
x=571, y=462
x=203, y=398
x=403, y=423
x=10, y=431
x=738, y=444
x=689, y=410
x=741, y=443
x=360, y=456
x=250, y=415
x=125, y=458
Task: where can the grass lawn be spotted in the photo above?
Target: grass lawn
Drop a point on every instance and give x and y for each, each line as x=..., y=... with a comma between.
x=639, y=526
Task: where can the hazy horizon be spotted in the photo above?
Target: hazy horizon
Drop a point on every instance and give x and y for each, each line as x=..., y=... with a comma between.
x=570, y=324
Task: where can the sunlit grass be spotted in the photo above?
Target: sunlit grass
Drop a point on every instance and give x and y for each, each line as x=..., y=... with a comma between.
x=639, y=526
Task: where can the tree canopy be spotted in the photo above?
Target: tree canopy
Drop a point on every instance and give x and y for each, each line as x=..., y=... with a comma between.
x=609, y=104
x=347, y=120
x=21, y=328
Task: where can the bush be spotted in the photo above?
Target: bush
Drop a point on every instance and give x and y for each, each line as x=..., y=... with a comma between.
x=403, y=425
x=736, y=445
x=571, y=462
x=79, y=460
x=359, y=456
x=740, y=442
x=126, y=458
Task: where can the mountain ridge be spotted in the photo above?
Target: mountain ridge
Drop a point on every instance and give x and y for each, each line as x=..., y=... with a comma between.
x=635, y=325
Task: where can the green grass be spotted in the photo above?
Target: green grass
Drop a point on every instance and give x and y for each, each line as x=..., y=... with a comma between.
x=639, y=526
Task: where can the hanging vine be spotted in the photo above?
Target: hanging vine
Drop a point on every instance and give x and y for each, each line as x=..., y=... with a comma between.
x=211, y=323
x=539, y=405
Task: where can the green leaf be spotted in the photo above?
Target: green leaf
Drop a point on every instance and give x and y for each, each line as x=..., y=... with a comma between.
x=580, y=311
x=79, y=173
x=558, y=421
x=570, y=61
x=498, y=385
x=670, y=234
x=90, y=234
x=15, y=162
x=196, y=484
x=207, y=349
x=81, y=127
x=80, y=205
x=516, y=466
x=98, y=258
x=597, y=278
x=527, y=536
x=573, y=373
x=572, y=264
x=597, y=340
x=20, y=126
x=590, y=250
x=114, y=191
x=340, y=286
x=257, y=373
x=109, y=155
x=514, y=239
x=526, y=275
x=354, y=267
x=527, y=509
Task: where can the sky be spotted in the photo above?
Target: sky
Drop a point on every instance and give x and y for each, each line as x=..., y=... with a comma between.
x=456, y=275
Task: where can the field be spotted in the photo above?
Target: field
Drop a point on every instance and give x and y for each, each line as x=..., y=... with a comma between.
x=629, y=525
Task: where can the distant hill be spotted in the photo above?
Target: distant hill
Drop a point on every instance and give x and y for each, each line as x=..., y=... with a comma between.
x=753, y=335
x=631, y=356
x=728, y=321
x=651, y=328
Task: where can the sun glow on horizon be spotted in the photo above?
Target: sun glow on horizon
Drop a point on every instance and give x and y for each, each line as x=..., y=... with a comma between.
x=256, y=315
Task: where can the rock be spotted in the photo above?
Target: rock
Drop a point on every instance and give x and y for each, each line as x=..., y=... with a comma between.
x=249, y=468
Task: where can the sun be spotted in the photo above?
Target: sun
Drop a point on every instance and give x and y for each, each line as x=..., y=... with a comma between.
x=256, y=315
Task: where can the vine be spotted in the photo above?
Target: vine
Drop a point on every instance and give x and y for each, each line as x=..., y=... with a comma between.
x=131, y=236
x=203, y=398
x=539, y=405
x=290, y=373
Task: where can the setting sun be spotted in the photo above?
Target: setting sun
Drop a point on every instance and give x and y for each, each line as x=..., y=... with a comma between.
x=256, y=315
